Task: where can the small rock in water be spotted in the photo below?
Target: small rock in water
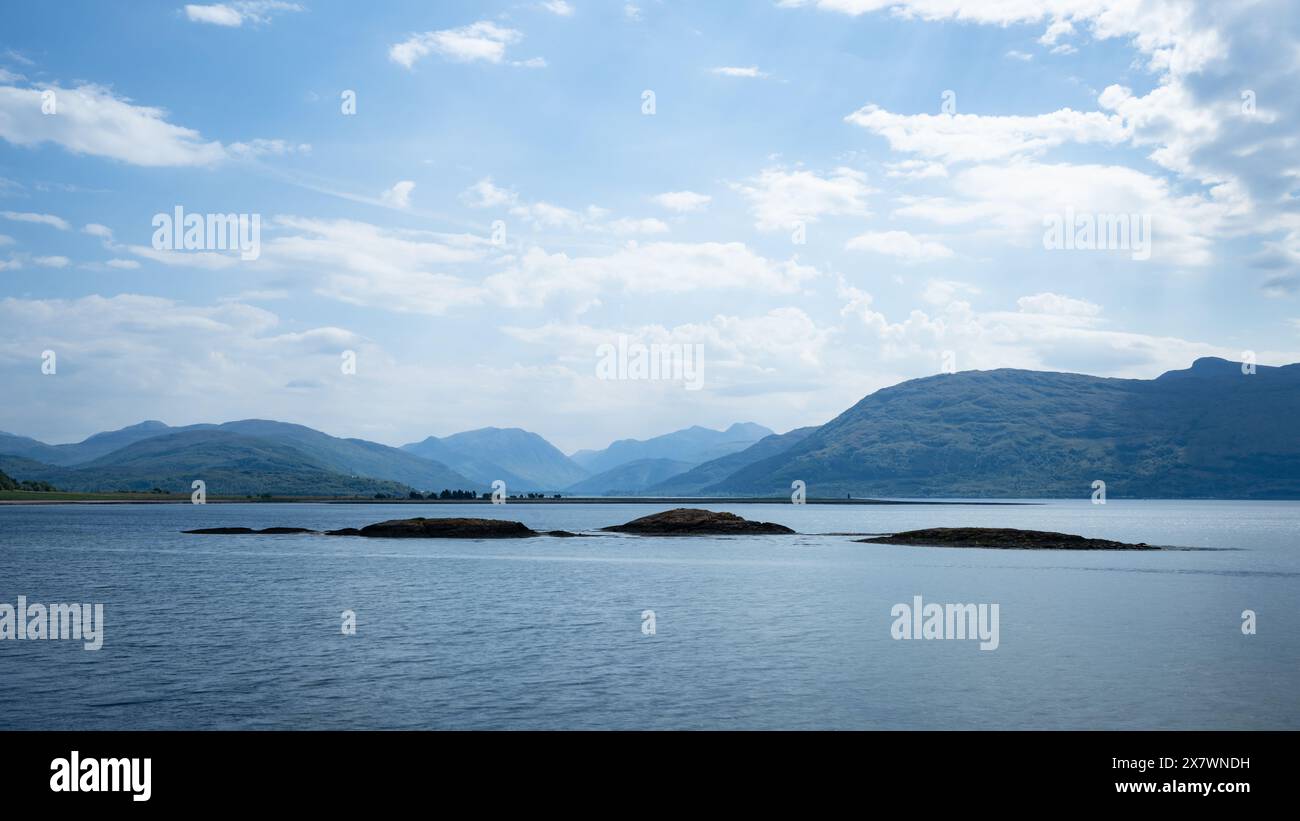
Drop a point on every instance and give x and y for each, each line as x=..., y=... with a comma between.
x=419, y=528
x=688, y=521
x=1003, y=538
x=448, y=529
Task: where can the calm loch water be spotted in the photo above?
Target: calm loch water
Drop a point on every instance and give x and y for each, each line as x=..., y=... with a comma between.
x=765, y=632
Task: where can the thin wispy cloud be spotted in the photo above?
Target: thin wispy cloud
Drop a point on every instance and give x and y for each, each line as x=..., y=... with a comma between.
x=39, y=219
x=751, y=72
x=236, y=14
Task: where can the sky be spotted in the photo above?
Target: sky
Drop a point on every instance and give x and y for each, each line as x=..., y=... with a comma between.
x=463, y=207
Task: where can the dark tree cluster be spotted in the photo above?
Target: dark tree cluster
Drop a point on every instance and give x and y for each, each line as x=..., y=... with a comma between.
x=9, y=483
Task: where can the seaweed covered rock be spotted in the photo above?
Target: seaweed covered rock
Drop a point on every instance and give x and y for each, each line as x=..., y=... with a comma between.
x=1001, y=538
x=422, y=528
x=688, y=521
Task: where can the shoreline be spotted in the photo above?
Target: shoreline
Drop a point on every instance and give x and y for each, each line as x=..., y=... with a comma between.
x=575, y=500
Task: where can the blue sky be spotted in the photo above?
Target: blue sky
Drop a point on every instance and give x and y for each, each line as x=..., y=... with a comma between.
x=921, y=211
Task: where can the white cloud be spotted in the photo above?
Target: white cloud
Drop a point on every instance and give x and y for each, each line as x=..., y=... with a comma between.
x=779, y=199
x=1012, y=202
x=51, y=262
x=185, y=363
x=1057, y=30
x=1057, y=305
x=1170, y=32
x=546, y=215
x=558, y=7
x=899, y=244
x=648, y=225
x=682, y=201
x=94, y=229
x=943, y=292
x=1047, y=332
x=740, y=71
x=977, y=138
x=658, y=267
x=40, y=219
x=739, y=350
x=92, y=120
x=202, y=260
x=486, y=194
x=632, y=11
x=363, y=264
x=482, y=41
x=235, y=14
x=216, y=14
x=915, y=170
x=273, y=148
x=399, y=196
x=124, y=264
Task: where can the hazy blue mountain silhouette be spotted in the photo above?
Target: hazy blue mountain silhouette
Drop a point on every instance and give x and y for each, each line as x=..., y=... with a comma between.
x=520, y=458
x=629, y=478
x=1208, y=431
x=261, y=453
x=692, y=445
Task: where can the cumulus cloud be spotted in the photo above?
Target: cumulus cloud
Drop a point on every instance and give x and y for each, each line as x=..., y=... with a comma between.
x=364, y=264
x=974, y=138
x=399, y=196
x=1057, y=305
x=915, y=170
x=682, y=202
x=1172, y=34
x=1048, y=331
x=485, y=194
x=1219, y=132
x=899, y=244
x=483, y=41
x=780, y=198
x=1013, y=202
x=558, y=7
x=649, y=268
x=648, y=225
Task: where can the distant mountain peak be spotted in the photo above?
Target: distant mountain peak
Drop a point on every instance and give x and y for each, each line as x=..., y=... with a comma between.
x=691, y=445
x=1212, y=366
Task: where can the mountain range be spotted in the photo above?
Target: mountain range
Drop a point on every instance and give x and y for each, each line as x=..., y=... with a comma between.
x=1209, y=431
x=523, y=460
x=255, y=457
x=692, y=445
